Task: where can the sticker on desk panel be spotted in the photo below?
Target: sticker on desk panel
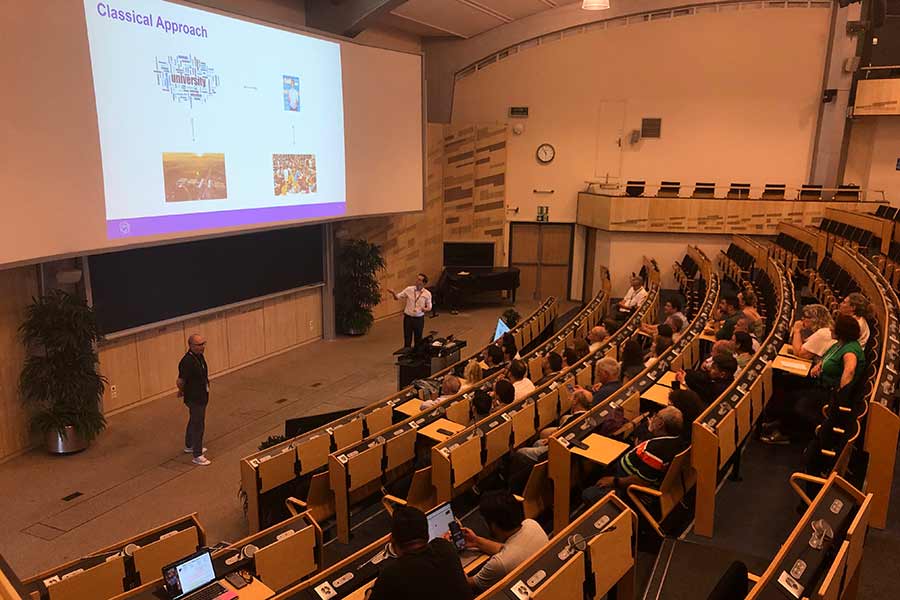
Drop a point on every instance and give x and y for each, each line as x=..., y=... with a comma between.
x=520, y=590
x=791, y=585
x=325, y=591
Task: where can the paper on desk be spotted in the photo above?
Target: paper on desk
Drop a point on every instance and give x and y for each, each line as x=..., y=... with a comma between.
x=793, y=364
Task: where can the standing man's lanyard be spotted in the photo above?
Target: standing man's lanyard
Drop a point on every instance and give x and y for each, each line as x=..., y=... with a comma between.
x=416, y=297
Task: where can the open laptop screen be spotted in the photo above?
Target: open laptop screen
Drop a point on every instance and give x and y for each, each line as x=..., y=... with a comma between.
x=439, y=521
x=189, y=574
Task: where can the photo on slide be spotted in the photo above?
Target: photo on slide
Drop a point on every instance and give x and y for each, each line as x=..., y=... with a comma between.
x=291, y=87
x=294, y=173
x=190, y=176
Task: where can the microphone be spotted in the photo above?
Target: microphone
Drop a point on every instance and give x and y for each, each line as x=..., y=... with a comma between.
x=578, y=543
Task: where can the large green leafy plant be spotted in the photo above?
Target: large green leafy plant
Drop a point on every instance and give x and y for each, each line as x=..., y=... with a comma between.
x=357, y=290
x=60, y=384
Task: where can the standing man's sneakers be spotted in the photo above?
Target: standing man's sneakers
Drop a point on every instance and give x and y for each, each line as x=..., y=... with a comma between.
x=201, y=461
x=191, y=451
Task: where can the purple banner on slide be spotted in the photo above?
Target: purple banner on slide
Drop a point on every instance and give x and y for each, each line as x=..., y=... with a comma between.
x=144, y=226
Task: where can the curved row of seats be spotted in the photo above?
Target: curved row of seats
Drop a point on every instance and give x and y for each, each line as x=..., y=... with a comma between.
x=628, y=399
x=293, y=461
x=360, y=470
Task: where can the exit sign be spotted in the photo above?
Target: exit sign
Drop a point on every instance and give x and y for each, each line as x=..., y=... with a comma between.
x=521, y=112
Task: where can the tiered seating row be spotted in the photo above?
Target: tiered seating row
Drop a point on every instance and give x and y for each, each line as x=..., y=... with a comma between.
x=561, y=443
x=300, y=457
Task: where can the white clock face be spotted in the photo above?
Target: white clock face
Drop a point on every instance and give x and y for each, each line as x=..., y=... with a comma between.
x=545, y=153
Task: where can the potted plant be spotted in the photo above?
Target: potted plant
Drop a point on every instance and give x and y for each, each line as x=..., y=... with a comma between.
x=356, y=287
x=59, y=384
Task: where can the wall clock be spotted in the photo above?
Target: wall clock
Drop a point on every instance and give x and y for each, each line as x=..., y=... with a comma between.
x=545, y=154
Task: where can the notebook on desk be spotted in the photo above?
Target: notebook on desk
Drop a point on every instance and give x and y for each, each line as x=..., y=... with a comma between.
x=193, y=578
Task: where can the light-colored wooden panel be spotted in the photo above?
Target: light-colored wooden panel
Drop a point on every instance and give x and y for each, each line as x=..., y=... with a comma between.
x=524, y=238
x=280, y=320
x=309, y=314
x=119, y=363
x=527, y=282
x=17, y=287
x=246, y=330
x=556, y=240
x=158, y=353
x=877, y=97
x=554, y=281
x=213, y=328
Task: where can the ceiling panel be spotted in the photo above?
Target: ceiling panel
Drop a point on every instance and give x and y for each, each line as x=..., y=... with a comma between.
x=449, y=15
x=515, y=9
x=391, y=20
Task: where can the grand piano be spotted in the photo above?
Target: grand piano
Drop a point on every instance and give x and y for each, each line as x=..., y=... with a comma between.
x=469, y=269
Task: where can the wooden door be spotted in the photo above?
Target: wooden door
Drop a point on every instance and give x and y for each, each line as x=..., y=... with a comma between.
x=543, y=254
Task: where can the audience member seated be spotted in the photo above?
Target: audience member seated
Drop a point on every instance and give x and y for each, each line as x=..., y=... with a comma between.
x=632, y=359
x=857, y=306
x=508, y=344
x=596, y=337
x=841, y=367
x=743, y=324
x=635, y=296
x=514, y=539
x=606, y=378
x=581, y=349
x=674, y=318
x=482, y=403
x=472, y=374
x=743, y=348
x=569, y=357
x=420, y=564
x=729, y=315
x=493, y=360
x=551, y=365
x=660, y=345
x=691, y=407
x=747, y=304
x=504, y=393
x=721, y=347
x=523, y=460
x=647, y=462
x=709, y=385
x=450, y=386
x=518, y=375
x=815, y=318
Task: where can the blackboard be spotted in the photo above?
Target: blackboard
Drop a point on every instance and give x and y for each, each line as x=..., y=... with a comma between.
x=132, y=288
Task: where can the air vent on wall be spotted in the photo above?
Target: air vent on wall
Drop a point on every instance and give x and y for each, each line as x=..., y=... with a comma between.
x=651, y=128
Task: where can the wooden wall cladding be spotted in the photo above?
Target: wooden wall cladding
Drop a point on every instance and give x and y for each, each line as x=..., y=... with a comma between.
x=18, y=286
x=145, y=365
x=692, y=215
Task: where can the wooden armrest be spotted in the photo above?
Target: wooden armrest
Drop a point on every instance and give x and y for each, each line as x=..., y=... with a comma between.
x=644, y=490
x=795, y=485
x=518, y=498
x=845, y=409
x=752, y=577
x=829, y=453
x=389, y=502
x=295, y=506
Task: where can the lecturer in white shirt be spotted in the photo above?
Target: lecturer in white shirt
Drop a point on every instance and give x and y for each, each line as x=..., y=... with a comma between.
x=418, y=302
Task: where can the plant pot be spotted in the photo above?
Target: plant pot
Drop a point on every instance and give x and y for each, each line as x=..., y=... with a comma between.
x=67, y=442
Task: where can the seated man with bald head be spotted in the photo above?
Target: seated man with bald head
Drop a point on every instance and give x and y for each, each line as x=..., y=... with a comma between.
x=645, y=464
x=596, y=337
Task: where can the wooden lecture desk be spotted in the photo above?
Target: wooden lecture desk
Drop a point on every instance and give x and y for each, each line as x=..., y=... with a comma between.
x=658, y=394
x=601, y=449
x=431, y=431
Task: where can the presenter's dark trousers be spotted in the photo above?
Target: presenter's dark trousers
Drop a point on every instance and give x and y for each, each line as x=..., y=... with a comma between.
x=412, y=330
x=193, y=435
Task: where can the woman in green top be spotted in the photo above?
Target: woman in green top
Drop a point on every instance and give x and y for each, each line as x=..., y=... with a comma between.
x=843, y=363
x=841, y=367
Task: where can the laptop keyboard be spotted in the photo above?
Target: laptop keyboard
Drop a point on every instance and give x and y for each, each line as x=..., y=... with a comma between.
x=207, y=593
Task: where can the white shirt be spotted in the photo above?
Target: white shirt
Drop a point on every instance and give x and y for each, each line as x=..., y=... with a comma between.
x=523, y=387
x=634, y=297
x=863, y=332
x=418, y=302
x=819, y=342
x=520, y=546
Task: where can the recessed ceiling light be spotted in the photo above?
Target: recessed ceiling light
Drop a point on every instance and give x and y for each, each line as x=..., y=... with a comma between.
x=595, y=4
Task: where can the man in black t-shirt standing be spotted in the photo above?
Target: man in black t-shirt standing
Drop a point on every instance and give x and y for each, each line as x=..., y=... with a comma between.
x=422, y=569
x=193, y=385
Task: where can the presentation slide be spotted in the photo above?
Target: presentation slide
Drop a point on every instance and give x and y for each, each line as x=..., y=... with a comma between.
x=141, y=122
x=208, y=121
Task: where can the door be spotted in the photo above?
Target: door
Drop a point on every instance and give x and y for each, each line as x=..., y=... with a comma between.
x=543, y=254
x=611, y=138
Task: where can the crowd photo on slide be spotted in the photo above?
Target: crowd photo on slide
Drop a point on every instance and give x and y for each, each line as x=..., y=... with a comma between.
x=294, y=173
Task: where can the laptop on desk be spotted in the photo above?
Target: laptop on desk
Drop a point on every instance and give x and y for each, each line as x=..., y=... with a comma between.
x=194, y=578
x=439, y=523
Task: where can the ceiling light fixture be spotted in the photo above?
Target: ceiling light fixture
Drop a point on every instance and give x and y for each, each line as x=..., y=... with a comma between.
x=595, y=4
